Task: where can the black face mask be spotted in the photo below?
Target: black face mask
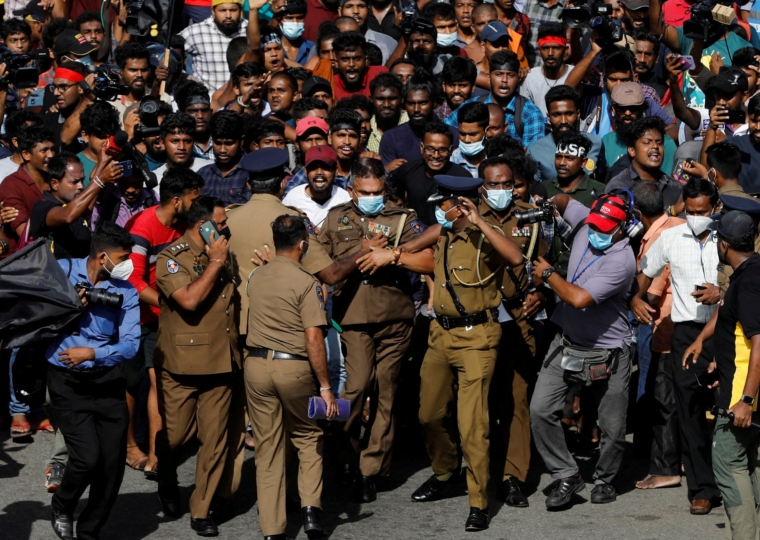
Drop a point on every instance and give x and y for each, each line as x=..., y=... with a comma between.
x=226, y=233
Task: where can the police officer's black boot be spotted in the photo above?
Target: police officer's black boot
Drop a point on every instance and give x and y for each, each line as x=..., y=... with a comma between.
x=312, y=522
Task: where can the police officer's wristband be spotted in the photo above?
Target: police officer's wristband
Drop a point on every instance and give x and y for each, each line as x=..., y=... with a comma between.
x=324, y=389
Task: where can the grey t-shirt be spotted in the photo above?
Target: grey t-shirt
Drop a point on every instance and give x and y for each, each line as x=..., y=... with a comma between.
x=535, y=86
x=607, y=276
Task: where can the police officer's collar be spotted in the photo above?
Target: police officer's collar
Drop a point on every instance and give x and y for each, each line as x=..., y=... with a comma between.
x=265, y=197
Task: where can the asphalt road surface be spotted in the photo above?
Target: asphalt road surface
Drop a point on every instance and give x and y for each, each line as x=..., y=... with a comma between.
x=660, y=514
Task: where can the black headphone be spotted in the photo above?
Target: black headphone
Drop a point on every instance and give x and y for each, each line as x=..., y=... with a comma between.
x=632, y=226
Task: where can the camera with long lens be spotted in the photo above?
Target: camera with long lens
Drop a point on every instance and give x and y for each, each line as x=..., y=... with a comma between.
x=99, y=296
x=148, y=126
x=133, y=12
x=544, y=213
x=707, y=17
x=106, y=85
x=595, y=15
x=18, y=72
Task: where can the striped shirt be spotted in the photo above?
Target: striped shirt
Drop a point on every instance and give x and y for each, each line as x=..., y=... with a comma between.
x=151, y=237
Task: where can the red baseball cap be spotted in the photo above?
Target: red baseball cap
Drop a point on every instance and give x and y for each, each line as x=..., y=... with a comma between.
x=607, y=213
x=311, y=122
x=322, y=153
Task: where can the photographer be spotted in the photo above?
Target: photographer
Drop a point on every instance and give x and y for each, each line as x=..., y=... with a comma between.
x=593, y=347
x=152, y=144
x=133, y=59
x=86, y=387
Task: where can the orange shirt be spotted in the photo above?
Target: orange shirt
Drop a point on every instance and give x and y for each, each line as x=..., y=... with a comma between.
x=475, y=50
x=662, y=330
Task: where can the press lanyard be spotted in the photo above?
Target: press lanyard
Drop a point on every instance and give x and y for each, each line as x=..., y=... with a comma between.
x=576, y=275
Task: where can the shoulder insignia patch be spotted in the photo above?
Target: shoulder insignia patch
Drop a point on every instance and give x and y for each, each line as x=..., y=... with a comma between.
x=320, y=295
x=310, y=227
x=172, y=266
x=417, y=226
x=179, y=247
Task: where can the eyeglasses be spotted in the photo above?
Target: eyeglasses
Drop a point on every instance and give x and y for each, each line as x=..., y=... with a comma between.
x=62, y=88
x=436, y=151
x=631, y=108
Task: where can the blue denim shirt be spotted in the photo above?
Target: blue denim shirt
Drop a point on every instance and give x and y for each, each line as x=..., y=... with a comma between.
x=114, y=334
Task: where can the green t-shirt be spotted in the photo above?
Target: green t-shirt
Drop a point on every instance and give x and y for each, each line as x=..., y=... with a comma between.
x=615, y=147
x=583, y=193
x=88, y=166
x=726, y=47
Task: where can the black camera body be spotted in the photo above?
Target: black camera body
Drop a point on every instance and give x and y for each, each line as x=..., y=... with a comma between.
x=18, y=72
x=596, y=15
x=544, y=213
x=705, y=22
x=106, y=85
x=99, y=296
x=148, y=126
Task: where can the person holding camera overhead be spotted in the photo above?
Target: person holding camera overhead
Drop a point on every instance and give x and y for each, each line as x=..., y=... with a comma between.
x=196, y=357
x=593, y=348
x=87, y=390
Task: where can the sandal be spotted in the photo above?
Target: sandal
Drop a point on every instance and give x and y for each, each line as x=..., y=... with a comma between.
x=44, y=426
x=153, y=473
x=27, y=430
x=139, y=463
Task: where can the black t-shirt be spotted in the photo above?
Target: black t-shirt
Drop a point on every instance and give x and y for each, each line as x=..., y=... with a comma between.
x=748, y=177
x=69, y=241
x=738, y=321
x=419, y=187
x=52, y=121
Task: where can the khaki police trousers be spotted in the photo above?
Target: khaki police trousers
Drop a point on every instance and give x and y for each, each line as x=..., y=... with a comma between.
x=278, y=393
x=466, y=358
x=190, y=405
x=373, y=362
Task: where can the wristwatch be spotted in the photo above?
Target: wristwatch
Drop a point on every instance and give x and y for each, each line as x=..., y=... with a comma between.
x=546, y=274
x=748, y=400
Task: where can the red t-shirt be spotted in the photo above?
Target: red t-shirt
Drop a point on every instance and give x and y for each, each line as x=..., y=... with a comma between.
x=316, y=14
x=339, y=88
x=151, y=237
x=675, y=12
x=19, y=191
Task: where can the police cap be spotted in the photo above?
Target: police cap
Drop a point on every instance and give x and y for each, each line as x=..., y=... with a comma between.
x=453, y=187
x=265, y=163
x=743, y=204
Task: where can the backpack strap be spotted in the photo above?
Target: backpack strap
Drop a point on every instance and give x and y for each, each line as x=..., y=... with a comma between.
x=519, y=105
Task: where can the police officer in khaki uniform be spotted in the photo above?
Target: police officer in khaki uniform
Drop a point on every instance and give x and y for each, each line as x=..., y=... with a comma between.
x=514, y=367
x=286, y=352
x=463, y=344
x=375, y=309
x=196, y=357
x=744, y=203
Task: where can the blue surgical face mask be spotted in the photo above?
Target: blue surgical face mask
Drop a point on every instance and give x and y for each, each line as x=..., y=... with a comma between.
x=599, y=240
x=440, y=217
x=370, y=206
x=446, y=40
x=292, y=30
x=499, y=199
x=471, y=149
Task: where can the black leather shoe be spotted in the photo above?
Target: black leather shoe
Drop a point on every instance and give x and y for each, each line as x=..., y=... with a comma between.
x=509, y=492
x=276, y=537
x=204, y=527
x=365, y=489
x=433, y=489
x=603, y=494
x=477, y=520
x=171, y=505
x=563, y=492
x=312, y=522
x=345, y=475
x=63, y=525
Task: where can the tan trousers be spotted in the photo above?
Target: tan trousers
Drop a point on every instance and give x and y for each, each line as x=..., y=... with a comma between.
x=373, y=361
x=236, y=428
x=278, y=393
x=193, y=405
x=466, y=358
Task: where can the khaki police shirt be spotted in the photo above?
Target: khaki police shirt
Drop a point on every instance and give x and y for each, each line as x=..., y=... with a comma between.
x=463, y=268
x=522, y=236
x=288, y=299
x=251, y=228
x=725, y=271
x=202, y=341
x=387, y=294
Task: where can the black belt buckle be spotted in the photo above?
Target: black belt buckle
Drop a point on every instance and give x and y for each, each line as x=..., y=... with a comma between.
x=443, y=320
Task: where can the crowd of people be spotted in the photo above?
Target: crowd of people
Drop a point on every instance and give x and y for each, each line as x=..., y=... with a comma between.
x=555, y=199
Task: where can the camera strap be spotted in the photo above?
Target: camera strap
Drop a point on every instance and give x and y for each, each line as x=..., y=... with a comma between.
x=449, y=286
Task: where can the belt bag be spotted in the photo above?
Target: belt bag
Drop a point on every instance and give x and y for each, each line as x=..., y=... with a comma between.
x=585, y=365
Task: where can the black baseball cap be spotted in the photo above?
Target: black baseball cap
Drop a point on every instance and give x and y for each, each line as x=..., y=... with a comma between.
x=731, y=80
x=33, y=10
x=735, y=227
x=71, y=42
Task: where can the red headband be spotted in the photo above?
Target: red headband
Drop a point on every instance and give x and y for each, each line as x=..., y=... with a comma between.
x=549, y=40
x=68, y=74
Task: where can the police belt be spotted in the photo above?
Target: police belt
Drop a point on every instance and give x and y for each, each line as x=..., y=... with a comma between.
x=481, y=317
x=259, y=352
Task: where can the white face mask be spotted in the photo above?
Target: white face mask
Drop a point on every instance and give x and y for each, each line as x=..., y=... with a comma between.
x=471, y=149
x=122, y=270
x=698, y=224
x=446, y=40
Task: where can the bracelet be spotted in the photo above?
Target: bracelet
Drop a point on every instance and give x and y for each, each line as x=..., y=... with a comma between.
x=396, y=255
x=220, y=261
x=324, y=389
x=240, y=102
x=99, y=182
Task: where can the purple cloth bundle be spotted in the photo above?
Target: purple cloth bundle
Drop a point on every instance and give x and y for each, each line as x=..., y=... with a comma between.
x=318, y=409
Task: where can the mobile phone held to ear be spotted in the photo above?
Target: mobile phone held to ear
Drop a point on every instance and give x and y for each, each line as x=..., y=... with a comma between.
x=206, y=229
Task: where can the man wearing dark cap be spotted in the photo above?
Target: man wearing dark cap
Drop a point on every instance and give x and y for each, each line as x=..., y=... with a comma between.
x=593, y=348
x=737, y=360
x=71, y=46
x=318, y=88
x=636, y=14
x=463, y=344
x=34, y=14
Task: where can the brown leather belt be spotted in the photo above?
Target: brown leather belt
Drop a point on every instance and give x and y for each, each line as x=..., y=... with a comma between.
x=259, y=352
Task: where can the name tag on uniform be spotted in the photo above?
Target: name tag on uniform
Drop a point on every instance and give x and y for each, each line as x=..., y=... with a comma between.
x=378, y=228
x=517, y=231
x=345, y=227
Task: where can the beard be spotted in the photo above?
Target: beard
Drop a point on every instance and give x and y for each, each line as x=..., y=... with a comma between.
x=227, y=30
x=624, y=129
x=418, y=125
